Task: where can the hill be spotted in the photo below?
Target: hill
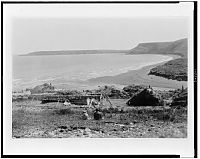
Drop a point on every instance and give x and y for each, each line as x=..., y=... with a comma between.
x=174, y=69
x=178, y=47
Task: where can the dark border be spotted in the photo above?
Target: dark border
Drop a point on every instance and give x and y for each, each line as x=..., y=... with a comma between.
x=195, y=81
x=86, y=2
x=104, y=156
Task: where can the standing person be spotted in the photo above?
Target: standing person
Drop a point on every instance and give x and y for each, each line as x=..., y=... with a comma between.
x=88, y=102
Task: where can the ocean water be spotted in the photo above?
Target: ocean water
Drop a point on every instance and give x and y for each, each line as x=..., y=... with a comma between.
x=29, y=71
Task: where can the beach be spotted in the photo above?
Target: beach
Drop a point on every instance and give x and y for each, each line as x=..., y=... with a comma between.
x=80, y=72
x=141, y=77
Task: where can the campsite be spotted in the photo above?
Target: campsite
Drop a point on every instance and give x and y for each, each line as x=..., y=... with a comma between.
x=136, y=111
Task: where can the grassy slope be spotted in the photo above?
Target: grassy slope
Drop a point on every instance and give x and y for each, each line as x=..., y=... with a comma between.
x=178, y=47
x=174, y=69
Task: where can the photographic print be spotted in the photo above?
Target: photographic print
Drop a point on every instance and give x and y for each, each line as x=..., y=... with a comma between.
x=91, y=77
x=99, y=71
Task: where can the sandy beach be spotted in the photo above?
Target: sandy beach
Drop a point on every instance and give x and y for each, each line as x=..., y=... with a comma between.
x=141, y=76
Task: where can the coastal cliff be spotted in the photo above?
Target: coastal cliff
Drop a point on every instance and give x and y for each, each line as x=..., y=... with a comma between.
x=175, y=69
x=178, y=47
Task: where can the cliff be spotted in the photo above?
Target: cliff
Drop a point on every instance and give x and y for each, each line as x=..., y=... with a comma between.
x=174, y=69
x=178, y=47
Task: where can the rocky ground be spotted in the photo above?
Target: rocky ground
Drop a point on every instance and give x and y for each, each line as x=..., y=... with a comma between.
x=53, y=120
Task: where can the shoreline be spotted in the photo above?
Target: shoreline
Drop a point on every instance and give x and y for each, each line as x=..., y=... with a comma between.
x=141, y=77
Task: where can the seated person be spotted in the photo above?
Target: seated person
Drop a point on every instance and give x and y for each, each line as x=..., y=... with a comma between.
x=98, y=115
x=85, y=115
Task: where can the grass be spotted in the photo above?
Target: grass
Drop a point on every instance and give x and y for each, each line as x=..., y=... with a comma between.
x=54, y=120
x=174, y=69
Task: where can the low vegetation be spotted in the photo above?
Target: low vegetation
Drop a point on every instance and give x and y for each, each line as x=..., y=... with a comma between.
x=55, y=121
x=31, y=119
x=174, y=69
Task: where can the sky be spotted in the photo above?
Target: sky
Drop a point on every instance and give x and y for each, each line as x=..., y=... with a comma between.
x=37, y=34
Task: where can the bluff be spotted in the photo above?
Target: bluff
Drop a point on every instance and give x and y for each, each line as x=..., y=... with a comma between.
x=175, y=69
x=178, y=47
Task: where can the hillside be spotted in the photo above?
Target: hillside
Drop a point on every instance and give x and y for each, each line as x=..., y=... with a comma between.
x=178, y=47
x=174, y=69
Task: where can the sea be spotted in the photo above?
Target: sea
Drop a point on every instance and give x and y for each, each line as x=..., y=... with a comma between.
x=72, y=71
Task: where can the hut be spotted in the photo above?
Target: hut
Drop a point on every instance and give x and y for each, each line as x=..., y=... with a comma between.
x=147, y=97
x=180, y=99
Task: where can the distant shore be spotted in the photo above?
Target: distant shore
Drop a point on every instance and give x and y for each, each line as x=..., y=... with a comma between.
x=73, y=52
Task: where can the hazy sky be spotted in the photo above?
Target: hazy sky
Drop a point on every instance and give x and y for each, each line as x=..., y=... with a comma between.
x=36, y=34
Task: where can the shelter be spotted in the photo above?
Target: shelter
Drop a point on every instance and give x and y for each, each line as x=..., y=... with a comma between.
x=147, y=97
x=180, y=99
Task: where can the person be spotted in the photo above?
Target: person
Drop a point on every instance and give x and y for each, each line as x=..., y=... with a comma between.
x=67, y=103
x=88, y=102
x=98, y=115
x=85, y=115
x=93, y=102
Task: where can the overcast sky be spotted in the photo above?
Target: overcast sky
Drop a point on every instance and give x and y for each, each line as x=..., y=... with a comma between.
x=36, y=34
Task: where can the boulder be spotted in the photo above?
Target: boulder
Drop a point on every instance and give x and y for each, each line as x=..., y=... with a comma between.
x=147, y=97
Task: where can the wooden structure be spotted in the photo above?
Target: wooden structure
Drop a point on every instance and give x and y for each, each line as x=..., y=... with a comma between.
x=73, y=99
